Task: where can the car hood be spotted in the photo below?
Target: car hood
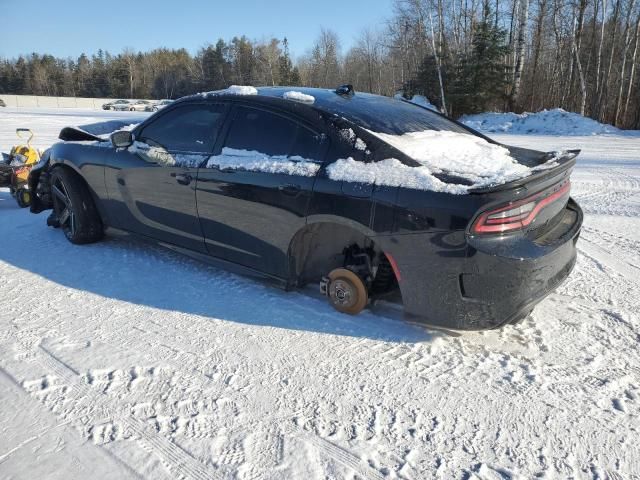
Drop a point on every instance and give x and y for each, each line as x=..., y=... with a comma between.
x=95, y=131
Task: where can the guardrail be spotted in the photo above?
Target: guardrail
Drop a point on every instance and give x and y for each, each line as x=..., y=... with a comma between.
x=39, y=101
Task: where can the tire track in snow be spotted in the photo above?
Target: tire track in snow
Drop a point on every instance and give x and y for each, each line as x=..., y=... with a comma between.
x=341, y=456
x=88, y=402
x=628, y=270
x=155, y=350
x=175, y=458
x=609, y=241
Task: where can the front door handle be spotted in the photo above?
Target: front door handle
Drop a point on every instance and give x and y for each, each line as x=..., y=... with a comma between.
x=182, y=178
x=289, y=189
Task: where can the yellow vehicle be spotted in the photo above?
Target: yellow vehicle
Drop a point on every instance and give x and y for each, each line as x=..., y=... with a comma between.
x=15, y=168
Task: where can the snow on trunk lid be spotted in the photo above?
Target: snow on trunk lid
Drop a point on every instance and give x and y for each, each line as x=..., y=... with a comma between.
x=472, y=159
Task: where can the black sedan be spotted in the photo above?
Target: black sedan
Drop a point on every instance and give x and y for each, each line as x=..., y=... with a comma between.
x=366, y=196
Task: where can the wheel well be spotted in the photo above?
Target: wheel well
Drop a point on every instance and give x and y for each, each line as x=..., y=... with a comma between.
x=74, y=172
x=322, y=247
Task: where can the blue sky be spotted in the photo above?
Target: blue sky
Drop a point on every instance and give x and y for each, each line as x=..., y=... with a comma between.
x=70, y=27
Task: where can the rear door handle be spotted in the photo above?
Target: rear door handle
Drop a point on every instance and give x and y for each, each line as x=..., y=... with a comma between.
x=182, y=178
x=289, y=189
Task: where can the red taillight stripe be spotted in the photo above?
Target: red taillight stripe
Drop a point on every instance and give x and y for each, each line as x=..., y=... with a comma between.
x=485, y=225
x=394, y=266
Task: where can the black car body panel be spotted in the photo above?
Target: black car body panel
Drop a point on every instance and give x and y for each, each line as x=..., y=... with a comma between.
x=292, y=227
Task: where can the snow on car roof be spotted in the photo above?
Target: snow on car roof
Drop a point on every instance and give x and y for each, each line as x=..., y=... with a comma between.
x=233, y=90
x=298, y=96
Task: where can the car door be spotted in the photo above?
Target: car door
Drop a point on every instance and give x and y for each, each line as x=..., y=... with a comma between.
x=253, y=195
x=151, y=185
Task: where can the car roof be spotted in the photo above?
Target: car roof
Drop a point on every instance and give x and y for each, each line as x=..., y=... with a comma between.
x=373, y=112
x=324, y=98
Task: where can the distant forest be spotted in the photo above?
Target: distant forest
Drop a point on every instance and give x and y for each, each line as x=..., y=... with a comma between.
x=466, y=56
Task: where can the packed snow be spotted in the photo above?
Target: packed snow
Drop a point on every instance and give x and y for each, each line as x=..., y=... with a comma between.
x=392, y=173
x=299, y=97
x=123, y=360
x=350, y=136
x=161, y=156
x=465, y=156
x=234, y=159
x=546, y=122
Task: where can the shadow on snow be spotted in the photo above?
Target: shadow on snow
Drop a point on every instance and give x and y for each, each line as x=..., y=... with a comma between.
x=143, y=274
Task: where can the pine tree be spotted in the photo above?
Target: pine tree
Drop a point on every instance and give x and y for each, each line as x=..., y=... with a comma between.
x=480, y=78
x=285, y=65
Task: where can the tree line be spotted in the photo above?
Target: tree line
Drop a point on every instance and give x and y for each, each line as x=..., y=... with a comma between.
x=466, y=56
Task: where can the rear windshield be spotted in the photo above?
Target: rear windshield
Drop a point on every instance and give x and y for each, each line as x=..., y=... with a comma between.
x=391, y=116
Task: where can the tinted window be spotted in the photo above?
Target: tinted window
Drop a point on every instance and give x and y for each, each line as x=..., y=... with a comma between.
x=191, y=128
x=387, y=115
x=306, y=145
x=271, y=134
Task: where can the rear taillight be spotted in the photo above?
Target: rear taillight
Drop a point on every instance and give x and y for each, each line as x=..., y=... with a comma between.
x=518, y=215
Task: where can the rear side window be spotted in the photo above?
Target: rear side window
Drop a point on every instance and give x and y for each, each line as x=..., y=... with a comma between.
x=387, y=115
x=271, y=134
x=189, y=128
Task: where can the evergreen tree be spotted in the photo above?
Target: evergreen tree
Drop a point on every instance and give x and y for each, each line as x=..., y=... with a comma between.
x=480, y=78
x=285, y=65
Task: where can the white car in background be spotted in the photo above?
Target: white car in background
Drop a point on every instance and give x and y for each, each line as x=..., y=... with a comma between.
x=159, y=105
x=133, y=106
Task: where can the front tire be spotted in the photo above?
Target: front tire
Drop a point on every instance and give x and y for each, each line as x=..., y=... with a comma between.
x=74, y=209
x=347, y=292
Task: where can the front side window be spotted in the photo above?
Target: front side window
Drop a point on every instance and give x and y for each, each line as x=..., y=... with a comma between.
x=272, y=135
x=189, y=128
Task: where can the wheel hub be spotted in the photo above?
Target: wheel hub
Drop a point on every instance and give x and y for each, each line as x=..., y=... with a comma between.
x=342, y=293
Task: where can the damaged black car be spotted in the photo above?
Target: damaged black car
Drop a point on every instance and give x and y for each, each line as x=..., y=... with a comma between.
x=365, y=196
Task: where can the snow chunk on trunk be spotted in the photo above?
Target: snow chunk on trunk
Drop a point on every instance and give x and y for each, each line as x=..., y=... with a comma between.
x=260, y=162
x=298, y=97
x=459, y=154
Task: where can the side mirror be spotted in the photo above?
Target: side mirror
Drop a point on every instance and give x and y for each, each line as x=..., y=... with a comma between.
x=122, y=139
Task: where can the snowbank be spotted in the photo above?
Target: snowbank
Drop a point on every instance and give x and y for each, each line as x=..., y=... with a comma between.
x=260, y=162
x=546, y=122
x=298, y=97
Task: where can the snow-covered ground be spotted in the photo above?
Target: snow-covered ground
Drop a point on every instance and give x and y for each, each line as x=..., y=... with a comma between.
x=122, y=360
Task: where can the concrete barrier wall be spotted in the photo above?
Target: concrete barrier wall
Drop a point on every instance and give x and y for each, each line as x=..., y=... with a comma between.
x=37, y=101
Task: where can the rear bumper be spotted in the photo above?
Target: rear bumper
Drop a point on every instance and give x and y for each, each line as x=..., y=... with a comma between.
x=497, y=282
